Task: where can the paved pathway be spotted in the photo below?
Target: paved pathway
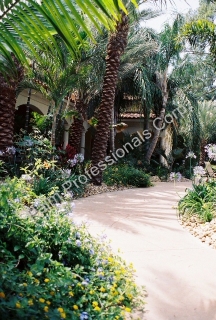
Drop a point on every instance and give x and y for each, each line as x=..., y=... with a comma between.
x=179, y=272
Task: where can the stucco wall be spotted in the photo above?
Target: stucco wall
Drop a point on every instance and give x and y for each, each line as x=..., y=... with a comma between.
x=37, y=100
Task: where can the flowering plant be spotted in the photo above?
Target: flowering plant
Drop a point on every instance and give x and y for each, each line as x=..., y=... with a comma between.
x=191, y=155
x=57, y=270
x=211, y=151
x=78, y=158
x=199, y=171
x=175, y=176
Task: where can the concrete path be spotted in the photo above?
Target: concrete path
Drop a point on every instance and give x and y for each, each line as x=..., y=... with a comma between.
x=179, y=272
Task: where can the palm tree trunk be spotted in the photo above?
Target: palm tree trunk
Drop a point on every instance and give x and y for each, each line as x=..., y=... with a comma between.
x=7, y=106
x=112, y=132
x=115, y=48
x=53, y=130
x=202, y=152
x=162, y=84
x=77, y=126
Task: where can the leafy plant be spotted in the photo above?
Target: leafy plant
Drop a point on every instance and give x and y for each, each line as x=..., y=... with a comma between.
x=124, y=174
x=199, y=200
x=51, y=267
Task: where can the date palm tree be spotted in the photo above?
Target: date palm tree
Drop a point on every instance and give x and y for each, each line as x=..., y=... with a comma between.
x=8, y=86
x=115, y=48
x=31, y=26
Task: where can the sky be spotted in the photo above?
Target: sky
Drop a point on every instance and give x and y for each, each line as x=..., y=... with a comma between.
x=172, y=6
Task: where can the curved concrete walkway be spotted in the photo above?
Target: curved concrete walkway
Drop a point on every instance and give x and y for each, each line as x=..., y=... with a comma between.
x=179, y=271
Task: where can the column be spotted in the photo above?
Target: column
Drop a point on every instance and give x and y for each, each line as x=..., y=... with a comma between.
x=85, y=128
x=66, y=135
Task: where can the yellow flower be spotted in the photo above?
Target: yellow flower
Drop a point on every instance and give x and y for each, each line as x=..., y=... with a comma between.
x=18, y=305
x=48, y=302
x=46, y=309
x=36, y=281
x=128, y=309
x=95, y=303
x=102, y=289
x=91, y=291
x=71, y=294
x=2, y=295
x=97, y=309
x=46, y=165
x=41, y=300
x=46, y=280
x=117, y=272
x=24, y=284
x=63, y=315
x=75, y=307
x=29, y=273
x=30, y=302
x=60, y=310
x=52, y=293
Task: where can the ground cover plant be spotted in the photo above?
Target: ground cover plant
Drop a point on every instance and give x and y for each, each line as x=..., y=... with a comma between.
x=200, y=200
x=52, y=268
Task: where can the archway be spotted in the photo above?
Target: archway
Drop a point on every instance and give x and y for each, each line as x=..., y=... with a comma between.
x=20, y=117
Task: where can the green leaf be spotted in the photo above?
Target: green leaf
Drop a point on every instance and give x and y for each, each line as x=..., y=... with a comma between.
x=16, y=248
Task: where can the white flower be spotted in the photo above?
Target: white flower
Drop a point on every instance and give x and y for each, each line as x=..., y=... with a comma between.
x=175, y=176
x=211, y=151
x=191, y=155
x=26, y=177
x=199, y=171
x=72, y=162
x=1, y=153
x=10, y=150
x=79, y=157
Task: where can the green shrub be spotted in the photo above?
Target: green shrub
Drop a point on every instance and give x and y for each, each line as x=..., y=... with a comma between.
x=124, y=174
x=200, y=200
x=52, y=268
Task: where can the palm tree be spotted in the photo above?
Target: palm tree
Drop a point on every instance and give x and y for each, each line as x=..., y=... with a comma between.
x=36, y=24
x=8, y=96
x=115, y=48
x=77, y=126
x=167, y=53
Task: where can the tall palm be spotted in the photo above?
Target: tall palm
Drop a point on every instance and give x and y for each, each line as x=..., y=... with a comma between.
x=54, y=78
x=115, y=48
x=167, y=53
x=8, y=96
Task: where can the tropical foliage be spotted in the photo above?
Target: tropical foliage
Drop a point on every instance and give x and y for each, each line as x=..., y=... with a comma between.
x=56, y=268
x=199, y=201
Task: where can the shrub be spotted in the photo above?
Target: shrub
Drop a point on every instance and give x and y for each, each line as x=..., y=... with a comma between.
x=124, y=174
x=52, y=268
x=200, y=200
